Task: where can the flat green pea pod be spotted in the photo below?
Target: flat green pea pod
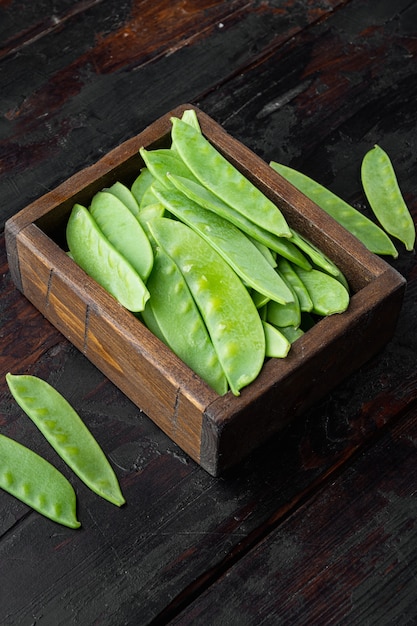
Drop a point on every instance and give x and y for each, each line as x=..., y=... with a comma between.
x=123, y=230
x=141, y=183
x=216, y=173
x=282, y=315
x=93, y=252
x=290, y=275
x=369, y=233
x=148, y=198
x=385, y=198
x=328, y=294
x=230, y=315
x=205, y=198
x=67, y=434
x=172, y=314
x=292, y=333
x=276, y=343
x=125, y=195
x=163, y=161
x=33, y=480
x=230, y=242
x=190, y=116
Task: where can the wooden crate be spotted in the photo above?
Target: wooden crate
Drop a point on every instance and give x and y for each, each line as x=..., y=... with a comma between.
x=215, y=431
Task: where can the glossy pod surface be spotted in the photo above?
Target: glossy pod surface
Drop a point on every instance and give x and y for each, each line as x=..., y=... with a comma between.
x=225, y=304
x=224, y=180
x=66, y=433
x=230, y=242
x=369, y=233
x=97, y=256
x=33, y=480
x=385, y=198
x=171, y=313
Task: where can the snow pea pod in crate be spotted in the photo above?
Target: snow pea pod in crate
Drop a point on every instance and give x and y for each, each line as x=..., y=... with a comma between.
x=216, y=173
x=93, y=252
x=205, y=198
x=67, y=434
x=33, y=480
x=172, y=315
x=228, y=310
x=230, y=242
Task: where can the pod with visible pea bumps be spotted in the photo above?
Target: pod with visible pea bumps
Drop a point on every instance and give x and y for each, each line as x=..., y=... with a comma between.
x=216, y=173
x=230, y=315
x=172, y=315
x=67, y=434
x=230, y=242
x=33, y=480
x=385, y=198
x=92, y=251
x=123, y=230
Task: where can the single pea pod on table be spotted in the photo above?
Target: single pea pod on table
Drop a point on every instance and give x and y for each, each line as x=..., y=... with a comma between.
x=36, y=482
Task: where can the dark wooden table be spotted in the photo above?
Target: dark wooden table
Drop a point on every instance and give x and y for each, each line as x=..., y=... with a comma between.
x=319, y=525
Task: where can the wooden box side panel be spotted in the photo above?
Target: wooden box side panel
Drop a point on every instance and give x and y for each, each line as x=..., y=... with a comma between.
x=148, y=372
x=317, y=363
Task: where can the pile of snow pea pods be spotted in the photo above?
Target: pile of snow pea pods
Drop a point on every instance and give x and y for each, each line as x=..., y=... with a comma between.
x=205, y=260
x=31, y=478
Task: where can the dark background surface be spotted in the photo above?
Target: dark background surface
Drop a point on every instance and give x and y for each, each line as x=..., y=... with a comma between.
x=318, y=526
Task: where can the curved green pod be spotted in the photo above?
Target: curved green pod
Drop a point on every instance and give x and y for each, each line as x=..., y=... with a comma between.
x=123, y=230
x=67, y=434
x=163, y=161
x=216, y=173
x=230, y=315
x=205, y=198
x=385, y=198
x=125, y=195
x=141, y=184
x=33, y=480
x=327, y=293
x=369, y=233
x=172, y=314
x=93, y=252
x=230, y=242
x=290, y=275
x=276, y=343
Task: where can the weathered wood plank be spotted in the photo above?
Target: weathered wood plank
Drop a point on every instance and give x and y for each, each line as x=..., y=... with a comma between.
x=67, y=105
x=347, y=556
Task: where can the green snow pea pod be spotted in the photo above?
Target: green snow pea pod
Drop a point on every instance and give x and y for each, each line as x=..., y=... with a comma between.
x=290, y=275
x=33, y=480
x=205, y=198
x=281, y=315
x=125, y=195
x=190, y=116
x=93, y=252
x=292, y=333
x=319, y=259
x=230, y=242
x=148, y=212
x=67, y=434
x=141, y=183
x=328, y=294
x=123, y=230
x=216, y=173
x=148, y=198
x=385, y=198
x=369, y=233
x=163, y=161
x=276, y=343
x=230, y=315
x=173, y=313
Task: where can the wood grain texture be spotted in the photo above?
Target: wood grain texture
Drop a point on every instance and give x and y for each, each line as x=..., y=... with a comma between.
x=313, y=85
